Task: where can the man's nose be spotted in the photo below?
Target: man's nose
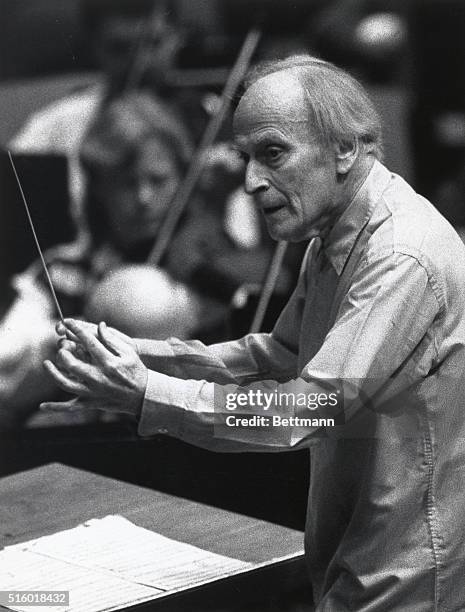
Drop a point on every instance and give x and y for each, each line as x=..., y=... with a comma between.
x=254, y=178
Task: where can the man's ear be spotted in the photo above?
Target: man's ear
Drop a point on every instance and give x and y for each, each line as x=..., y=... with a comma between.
x=346, y=154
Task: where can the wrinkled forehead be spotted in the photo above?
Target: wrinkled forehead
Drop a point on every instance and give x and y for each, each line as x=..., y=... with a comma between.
x=275, y=100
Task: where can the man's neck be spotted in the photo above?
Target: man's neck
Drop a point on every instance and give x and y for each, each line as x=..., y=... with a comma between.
x=355, y=178
x=349, y=186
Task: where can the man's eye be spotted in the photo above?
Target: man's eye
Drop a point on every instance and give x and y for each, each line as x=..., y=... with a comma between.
x=273, y=153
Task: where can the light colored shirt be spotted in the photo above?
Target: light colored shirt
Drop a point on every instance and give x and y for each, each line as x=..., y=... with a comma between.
x=378, y=308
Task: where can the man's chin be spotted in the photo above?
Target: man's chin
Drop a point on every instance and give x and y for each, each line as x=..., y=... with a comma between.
x=281, y=232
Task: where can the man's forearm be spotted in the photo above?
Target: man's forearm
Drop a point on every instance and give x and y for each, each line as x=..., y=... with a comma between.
x=204, y=413
x=253, y=357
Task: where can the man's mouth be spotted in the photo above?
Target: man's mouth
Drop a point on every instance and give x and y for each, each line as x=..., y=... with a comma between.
x=269, y=210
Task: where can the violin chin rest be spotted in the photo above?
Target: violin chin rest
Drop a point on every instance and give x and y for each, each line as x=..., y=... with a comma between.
x=144, y=302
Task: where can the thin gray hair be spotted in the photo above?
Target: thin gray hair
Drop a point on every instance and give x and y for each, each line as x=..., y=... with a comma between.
x=339, y=107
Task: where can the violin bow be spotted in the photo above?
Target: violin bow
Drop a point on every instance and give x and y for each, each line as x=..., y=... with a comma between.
x=186, y=188
x=268, y=286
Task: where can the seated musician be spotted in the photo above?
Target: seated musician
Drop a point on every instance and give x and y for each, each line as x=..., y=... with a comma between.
x=112, y=32
x=134, y=156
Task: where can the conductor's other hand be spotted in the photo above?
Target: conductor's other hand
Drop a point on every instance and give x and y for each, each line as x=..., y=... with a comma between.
x=63, y=329
x=100, y=366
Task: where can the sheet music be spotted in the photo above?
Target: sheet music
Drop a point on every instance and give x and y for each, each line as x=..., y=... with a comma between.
x=108, y=562
x=90, y=591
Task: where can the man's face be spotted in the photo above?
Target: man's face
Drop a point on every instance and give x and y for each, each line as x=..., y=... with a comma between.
x=136, y=198
x=293, y=181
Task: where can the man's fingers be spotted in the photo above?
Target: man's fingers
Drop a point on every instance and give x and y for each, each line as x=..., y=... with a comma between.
x=87, y=338
x=63, y=381
x=76, y=367
x=69, y=406
x=90, y=327
x=111, y=340
x=75, y=348
x=63, y=331
x=69, y=345
x=123, y=337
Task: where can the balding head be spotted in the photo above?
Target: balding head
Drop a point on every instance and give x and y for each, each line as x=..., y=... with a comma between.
x=336, y=105
x=277, y=98
x=280, y=92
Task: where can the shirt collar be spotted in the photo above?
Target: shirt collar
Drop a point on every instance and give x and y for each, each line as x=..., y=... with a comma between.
x=338, y=244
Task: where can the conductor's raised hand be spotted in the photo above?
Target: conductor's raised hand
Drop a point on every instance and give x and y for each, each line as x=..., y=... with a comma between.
x=99, y=366
x=63, y=329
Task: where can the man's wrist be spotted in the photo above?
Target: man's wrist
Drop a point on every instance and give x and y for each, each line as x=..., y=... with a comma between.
x=141, y=388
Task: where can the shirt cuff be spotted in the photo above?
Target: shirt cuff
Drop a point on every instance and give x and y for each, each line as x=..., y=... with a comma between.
x=168, y=400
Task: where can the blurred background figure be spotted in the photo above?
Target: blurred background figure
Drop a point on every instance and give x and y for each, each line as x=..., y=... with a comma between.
x=134, y=44
x=134, y=156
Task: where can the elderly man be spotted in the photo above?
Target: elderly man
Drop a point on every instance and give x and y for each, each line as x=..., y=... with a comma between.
x=378, y=308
